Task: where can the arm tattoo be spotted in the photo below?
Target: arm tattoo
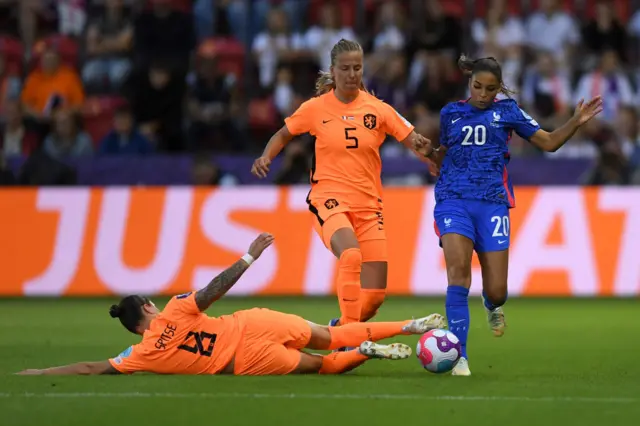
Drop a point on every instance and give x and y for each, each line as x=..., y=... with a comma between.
x=220, y=284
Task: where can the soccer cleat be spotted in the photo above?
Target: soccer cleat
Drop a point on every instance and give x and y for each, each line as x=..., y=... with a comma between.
x=496, y=321
x=392, y=351
x=461, y=368
x=422, y=325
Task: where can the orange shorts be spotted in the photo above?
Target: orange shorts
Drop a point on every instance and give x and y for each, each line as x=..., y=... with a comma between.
x=332, y=214
x=271, y=342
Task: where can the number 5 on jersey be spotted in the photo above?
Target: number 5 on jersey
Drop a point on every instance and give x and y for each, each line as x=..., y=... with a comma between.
x=352, y=141
x=479, y=134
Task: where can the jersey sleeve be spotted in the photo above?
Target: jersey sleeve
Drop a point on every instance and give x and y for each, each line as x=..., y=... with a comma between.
x=395, y=124
x=130, y=361
x=524, y=125
x=301, y=121
x=444, y=117
x=183, y=304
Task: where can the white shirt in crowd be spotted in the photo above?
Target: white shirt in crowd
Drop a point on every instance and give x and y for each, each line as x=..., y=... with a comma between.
x=266, y=47
x=615, y=89
x=321, y=40
x=510, y=33
x=552, y=33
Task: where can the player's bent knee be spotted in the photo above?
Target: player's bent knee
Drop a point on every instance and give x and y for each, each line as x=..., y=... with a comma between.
x=497, y=296
x=320, y=337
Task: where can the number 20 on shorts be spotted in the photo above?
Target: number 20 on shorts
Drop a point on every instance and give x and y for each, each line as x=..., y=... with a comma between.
x=501, y=226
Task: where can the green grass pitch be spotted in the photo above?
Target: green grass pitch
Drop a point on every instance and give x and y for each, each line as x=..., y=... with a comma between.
x=561, y=362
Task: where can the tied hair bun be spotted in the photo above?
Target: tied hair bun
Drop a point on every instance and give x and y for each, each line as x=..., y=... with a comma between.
x=114, y=311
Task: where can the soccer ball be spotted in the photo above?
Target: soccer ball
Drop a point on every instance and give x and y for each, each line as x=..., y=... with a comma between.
x=438, y=351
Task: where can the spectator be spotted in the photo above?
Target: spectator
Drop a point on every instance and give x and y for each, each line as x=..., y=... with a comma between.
x=390, y=35
x=67, y=140
x=72, y=17
x=15, y=138
x=390, y=83
x=156, y=98
x=9, y=83
x=628, y=131
x=6, y=175
x=546, y=92
x=41, y=169
x=108, y=44
x=609, y=81
x=274, y=45
x=499, y=34
x=437, y=87
x=206, y=172
x=284, y=95
x=437, y=35
x=612, y=167
x=605, y=32
x=295, y=166
x=163, y=33
x=321, y=38
x=553, y=30
x=51, y=86
x=124, y=139
x=212, y=107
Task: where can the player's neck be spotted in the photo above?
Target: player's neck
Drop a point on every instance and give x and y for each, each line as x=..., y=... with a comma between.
x=345, y=98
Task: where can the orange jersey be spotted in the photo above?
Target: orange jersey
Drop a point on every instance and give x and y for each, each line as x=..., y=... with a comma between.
x=347, y=143
x=183, y=340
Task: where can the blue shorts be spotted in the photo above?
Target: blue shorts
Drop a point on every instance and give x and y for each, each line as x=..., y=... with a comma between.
x=483, y=222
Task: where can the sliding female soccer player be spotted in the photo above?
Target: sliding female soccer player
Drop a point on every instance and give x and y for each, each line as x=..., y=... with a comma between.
x=348, y=125
x=474, y=193
x=181, y=339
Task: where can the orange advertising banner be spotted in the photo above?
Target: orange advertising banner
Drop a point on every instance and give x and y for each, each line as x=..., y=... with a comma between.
x=88, y=241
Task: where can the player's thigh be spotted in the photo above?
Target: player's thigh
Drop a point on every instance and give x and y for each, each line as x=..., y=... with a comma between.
x=259, y=357
x=454, y=226
x=495, y=274
x=286, y=329
x=372, y=237
x=333, y=224
x=493, y=226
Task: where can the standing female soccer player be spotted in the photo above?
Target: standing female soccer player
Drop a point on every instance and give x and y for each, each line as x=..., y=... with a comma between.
x=348, y=125
x=474, y=193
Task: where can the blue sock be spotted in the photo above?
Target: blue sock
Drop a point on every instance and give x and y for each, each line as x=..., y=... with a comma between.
x=457, y=307
x=490, y=305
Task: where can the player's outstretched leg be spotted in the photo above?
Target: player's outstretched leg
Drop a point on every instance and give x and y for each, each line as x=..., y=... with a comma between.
x=341, y=362
x=352, y=335
x=495, y=266
x=458, y=250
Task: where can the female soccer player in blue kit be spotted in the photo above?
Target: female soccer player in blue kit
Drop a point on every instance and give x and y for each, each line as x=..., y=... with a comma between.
x=474, y=193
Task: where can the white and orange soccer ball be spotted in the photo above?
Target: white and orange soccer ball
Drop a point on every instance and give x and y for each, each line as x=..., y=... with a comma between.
x=438, y=351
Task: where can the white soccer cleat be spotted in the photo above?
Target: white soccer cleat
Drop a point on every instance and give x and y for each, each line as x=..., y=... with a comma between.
x=461, y=368
x=422, y=325
x=392, y=351
x=496, y=321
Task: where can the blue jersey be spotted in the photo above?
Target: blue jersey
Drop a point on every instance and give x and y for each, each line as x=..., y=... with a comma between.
x=475, y=165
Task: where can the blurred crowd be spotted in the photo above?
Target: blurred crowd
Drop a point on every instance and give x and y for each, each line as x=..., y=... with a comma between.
x=81, y=78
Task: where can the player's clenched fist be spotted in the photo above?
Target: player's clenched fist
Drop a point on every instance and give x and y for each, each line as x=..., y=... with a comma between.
x=260, y=167
x=422, y=145
x=258, y=245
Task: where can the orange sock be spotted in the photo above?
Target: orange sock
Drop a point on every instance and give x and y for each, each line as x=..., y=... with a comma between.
x=371, y=299
x=341, y=362
x=355, y=333
x=349, y=267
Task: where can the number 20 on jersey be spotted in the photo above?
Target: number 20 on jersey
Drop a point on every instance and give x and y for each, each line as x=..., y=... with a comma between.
x=474, y=135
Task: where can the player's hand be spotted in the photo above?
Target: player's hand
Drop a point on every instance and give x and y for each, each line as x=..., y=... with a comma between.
x=30, y=372
x=586, y=111
x=422, y=145
x=260, y=167
x=434, y=168
x=259, y=245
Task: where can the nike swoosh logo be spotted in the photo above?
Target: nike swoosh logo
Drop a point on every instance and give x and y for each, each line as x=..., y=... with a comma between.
x=502, y=241
x=453, y=121
x=326, y=121
x=455, y=322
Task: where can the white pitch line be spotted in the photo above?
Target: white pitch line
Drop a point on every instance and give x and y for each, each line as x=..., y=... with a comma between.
x=72, y=395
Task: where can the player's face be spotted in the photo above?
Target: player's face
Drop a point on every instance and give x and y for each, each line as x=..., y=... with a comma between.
x=484, y=87
x=347, y=71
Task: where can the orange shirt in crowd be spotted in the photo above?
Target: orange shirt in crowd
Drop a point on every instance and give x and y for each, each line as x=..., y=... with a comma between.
x=41, y=89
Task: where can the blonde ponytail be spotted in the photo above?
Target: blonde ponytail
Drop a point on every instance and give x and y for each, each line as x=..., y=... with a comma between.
x=324, y=83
